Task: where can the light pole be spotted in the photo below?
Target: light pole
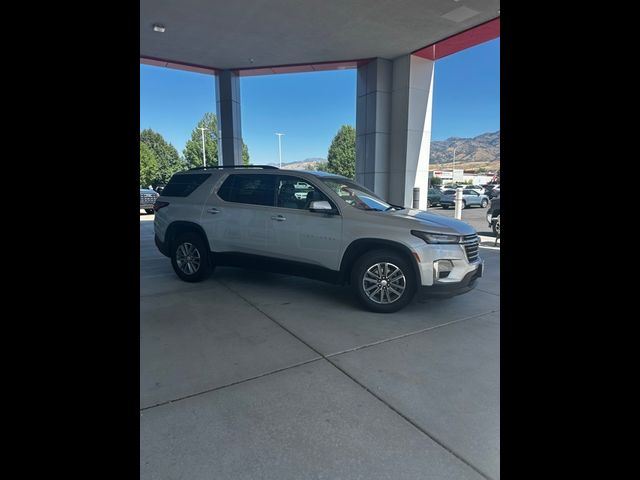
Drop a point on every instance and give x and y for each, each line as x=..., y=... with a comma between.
x=280, y=147
x=204, y=158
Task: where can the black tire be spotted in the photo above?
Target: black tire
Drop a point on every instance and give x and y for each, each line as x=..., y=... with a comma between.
x=484, y=203
x=464, y=204
x=445, y=207
x=200, y=249
x=369, y=260
x=149, y=210
x=495, y=226
x=428, y=203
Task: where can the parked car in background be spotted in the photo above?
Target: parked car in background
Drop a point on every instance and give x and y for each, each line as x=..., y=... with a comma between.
x=469, y=198
x=302, y=186
x=490, y=189
x=476, y=188
x=147, y=199
x=493, y=216
x=433, y=197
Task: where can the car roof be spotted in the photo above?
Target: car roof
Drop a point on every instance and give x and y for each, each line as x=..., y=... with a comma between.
x=270, y=169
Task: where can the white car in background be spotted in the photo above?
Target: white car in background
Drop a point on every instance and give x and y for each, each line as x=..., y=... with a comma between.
x=476, y=188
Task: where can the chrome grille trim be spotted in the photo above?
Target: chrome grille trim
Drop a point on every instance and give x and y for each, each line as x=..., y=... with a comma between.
x=471, y=244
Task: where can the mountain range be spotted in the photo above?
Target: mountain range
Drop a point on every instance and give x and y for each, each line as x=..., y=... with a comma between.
x=483, y=150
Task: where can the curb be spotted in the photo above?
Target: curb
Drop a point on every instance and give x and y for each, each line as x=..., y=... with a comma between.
x=489, y=243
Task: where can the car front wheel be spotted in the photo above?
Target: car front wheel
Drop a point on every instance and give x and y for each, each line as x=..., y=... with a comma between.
x=485, y=203
x=190, y=258
x=383, y=281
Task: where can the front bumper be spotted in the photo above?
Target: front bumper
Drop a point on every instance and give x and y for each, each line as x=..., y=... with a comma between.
x=446, y=290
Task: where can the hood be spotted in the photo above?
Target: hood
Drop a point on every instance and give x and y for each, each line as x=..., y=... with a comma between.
x=434, y=222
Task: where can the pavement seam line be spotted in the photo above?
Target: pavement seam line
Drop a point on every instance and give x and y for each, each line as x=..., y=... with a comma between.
x=364, y=387
x=186, y=290
x=411, y=422
x=209, y=390
x=485, y=291
x=409, y=334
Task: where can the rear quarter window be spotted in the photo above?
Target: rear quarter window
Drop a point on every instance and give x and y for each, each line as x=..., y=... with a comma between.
x=183, y=185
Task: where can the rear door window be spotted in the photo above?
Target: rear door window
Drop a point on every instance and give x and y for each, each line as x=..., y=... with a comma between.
x=251, y=189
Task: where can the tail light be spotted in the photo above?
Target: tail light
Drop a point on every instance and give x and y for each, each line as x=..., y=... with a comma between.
x=158, y=205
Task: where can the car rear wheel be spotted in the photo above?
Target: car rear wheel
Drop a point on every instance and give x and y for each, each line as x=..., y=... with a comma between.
x=190, y=258
x=496, y=227
x=484, y=203
x=383, y=281
x=428, y=203
x=464, y=204
x=446, y=207
x=149, y=210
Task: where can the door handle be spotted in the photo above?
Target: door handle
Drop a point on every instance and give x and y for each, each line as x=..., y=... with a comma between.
x=279, y=218
x=213, y=211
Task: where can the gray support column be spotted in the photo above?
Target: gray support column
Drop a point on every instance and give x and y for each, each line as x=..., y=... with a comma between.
x=373, y=112
x=410, y=144
x=228, y=112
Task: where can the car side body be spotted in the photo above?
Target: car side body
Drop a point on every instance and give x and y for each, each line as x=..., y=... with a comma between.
x=252, y=217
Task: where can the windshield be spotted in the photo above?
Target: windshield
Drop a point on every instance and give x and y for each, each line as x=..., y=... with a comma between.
x=356, y=195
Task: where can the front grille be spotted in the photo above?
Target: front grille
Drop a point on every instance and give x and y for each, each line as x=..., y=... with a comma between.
x=471, y=244
x=147, y=199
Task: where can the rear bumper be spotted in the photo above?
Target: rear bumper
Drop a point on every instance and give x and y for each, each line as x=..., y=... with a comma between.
x=162, y=246
x=446, y=290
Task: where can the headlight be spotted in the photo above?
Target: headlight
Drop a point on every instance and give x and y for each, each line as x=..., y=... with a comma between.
x=430, y=237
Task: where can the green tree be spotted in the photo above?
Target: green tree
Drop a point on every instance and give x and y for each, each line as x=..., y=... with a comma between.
x=169, y=161
x=436, y=181
x=193, y=148
x=341, y=159
x=149, y=168
x=245, y=154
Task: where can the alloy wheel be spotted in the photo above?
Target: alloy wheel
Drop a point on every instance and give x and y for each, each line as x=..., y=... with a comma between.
x=188, y=258
x=384, y=283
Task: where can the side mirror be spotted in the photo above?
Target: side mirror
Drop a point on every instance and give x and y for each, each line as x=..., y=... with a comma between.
x=321, y=206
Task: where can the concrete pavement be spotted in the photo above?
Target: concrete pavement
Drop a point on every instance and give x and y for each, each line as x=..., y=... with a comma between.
x=257, y=375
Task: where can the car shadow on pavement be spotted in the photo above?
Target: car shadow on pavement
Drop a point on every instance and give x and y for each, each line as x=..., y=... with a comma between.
x=259, y=280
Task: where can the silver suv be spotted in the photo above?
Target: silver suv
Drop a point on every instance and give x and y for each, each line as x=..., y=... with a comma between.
x=313, y=224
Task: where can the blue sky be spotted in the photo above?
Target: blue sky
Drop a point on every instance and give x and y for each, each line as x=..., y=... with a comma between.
x=309, y=108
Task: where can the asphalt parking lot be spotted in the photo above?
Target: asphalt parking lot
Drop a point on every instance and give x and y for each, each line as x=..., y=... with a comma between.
x=256, y=375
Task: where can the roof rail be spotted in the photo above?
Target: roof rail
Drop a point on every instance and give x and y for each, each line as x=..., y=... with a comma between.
x=268, y=167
